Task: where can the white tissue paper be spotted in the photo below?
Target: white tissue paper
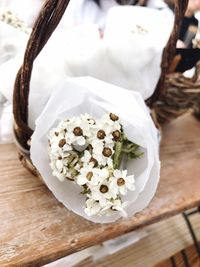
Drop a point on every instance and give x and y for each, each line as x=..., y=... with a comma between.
x=12, y=42
x=6, y=122
x=128, y=55
x=12, y=46
x=47, y=72
x=13, y=38
x=131, y=62
x=88, y=95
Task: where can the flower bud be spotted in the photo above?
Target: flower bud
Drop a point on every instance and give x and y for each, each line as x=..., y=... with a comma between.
x=62, y=142
x=78, y=131
x=114, y=117
x=107, y=152
x=120, y=182
x=116, y=135
x=93, y=160
x=103, y=189
x=101, y=134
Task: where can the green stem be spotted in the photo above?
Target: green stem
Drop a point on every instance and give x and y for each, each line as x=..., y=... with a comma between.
x=123, y=148
x=117, y=155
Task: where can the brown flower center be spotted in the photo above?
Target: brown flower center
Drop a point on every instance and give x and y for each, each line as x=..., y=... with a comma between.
x=89, y=176
x=93, y=160
x=120, y=181
x=103, y=188
x=78, y=131
x=62, y=142
x=107, y=152
x=90, y=148
x=114, y=117
x=116, y=135
x=101, y=134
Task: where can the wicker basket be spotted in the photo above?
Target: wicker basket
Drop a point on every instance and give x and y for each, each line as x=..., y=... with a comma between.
x=170, y=99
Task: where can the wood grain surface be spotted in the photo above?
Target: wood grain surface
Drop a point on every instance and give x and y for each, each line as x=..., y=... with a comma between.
x=164, y=240
x=36, y=229
x=192, y=258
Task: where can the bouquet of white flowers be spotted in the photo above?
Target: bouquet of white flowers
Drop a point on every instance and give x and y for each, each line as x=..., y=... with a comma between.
x=89, y=152
x=96, y=148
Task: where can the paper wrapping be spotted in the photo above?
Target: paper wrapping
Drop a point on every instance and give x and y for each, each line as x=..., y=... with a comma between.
x=123, y=58
x=128, y=55
x=12, y=41
x=88, y=95
x=48, y=71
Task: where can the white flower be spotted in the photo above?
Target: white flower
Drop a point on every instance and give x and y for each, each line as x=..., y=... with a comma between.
x=57, y=170
x=85, y=122
x=12, y=19
x=103, y=161
x=120, y=206
x=97, y=146
x=67, y=148
x=86, y=175
x=102, y=192
x=58, y=175
x=113, y=206
x=109, y=124
x=92, y=207
x=86, y=157
x=103, y=154
x=121, y=182
x=87, y=119
x=93, y=168
x=92, y=176
x=109, y=140
x=59, y=165
x=103, y=173
x=64, y=165
x=72, y=139
x=57, y=131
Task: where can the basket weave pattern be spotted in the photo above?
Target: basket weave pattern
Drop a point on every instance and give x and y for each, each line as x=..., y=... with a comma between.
x=181, y=94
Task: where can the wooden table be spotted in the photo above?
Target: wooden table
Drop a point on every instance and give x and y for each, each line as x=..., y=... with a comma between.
x=36, y=229
x=170, y=236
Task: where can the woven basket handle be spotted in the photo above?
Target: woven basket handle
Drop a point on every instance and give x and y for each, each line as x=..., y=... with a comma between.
x=170, y=50
x=44, y=26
